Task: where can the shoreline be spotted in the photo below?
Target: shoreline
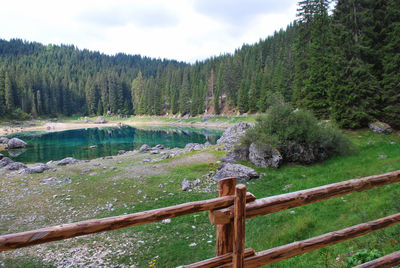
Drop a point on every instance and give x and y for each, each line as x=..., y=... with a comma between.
x=61, y=126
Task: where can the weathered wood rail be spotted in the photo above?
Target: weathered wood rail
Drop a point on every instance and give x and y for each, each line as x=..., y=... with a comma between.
x=229, y=212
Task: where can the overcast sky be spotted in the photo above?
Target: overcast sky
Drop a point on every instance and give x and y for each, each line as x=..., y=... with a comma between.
x=185, y=30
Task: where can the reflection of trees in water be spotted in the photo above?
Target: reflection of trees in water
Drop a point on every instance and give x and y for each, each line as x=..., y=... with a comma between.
x=76, y=142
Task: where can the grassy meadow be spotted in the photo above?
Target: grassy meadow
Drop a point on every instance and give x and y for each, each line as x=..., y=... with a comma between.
x=111, y=187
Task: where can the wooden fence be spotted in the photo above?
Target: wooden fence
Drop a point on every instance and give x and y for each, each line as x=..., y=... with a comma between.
x=229, y=212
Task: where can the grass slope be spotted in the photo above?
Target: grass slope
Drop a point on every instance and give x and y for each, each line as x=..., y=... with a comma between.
x=115, y=192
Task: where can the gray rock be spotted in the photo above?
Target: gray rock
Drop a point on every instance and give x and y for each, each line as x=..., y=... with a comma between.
x=1, y=156
x=382, y=156
x=36, y=168
x=66, y=161
x=4, y=140
x=99, y=120
x=92, y=146
x=5, y=161
x=380, y=127
x=194, y=147
x=206, y=118
x=121, y=152
x=196, y=182
x=232, y=135
x=154, y=151
x=16, y=143
x=186, y=116
x=264, y=156
x=86, y=120
x=108, y=157
x=147, y=159
x=158, y=146
x=186, y=185
x=296, y=153
x=166, y=156
x=144, y=148
x=239, y=153
x=240, y=172
x=16, y=166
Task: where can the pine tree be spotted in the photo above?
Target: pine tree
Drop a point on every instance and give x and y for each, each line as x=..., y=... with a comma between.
x=184, y=97
x=9, y=93
x=2, y=93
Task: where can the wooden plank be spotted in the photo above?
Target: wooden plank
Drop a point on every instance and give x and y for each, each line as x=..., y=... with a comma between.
x=224, y=233
x=297, y=248
x=217, y=261
x=383, y=262
x=239, y=222
x=64, y=231
x=300, y=198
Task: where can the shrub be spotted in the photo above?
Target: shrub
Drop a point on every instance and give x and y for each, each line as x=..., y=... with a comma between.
x=362, y=256
x=284, y=128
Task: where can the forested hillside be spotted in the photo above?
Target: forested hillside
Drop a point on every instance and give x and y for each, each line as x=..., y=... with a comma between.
x=342, y=65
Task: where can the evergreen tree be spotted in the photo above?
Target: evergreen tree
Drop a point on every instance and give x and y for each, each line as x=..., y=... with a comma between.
x=2, y=93
x=9, y=93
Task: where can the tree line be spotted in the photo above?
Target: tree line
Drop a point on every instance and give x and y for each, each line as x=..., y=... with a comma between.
x=341, y=64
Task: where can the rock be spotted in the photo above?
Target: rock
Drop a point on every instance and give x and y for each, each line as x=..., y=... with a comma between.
x=264, y=156
x=86, y=120
x=287, y=187
x=186, y=116
x=1, y=156
x=232, y=135
x=240, y=172
x=121, y=152
x=144, y=148
x=155, y=151
x=36, y=168
x=166, y=156
x=186, y=184
x=380, y=127
x=66, y=161
x=93, y=146
x=296, y=153
x=159, y=147
x=4, y=140
x=206, y=118
x=16, y=143
x=193, y=147
x=5, y=161
x=108, y=157
x=147, y=159
x=239, y=153
x=16, y=166
x=382, y=156
x=99, y=120
x=196, y=182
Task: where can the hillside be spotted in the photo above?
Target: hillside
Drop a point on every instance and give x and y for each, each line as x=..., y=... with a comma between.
x=341, y=65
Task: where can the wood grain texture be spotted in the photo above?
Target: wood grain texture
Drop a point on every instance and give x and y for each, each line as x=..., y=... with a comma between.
x=64, y=231
x=217, y=261
x=300, y=198
x=224, y=235
x=239, y=222
x=297, y=248
x=383, y=262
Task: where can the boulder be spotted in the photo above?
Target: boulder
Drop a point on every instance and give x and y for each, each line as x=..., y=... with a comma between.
x=264, y=156
x=5, y=161
x=158, y=146
x=16, y=143
x=1, y=156
x=66, y=161
x=154, y=151
x=239, y=153
x=380, y=127
x=194, y=146
x=86, y=120
x=240, y=172
x=186, y=116
x=16, y=166
x=36, y=168
x=99, y=120
x=121, y=152
x=186, y=184
x=4, y=140
x=296, y=153
x=232, y=135
x=144, y=148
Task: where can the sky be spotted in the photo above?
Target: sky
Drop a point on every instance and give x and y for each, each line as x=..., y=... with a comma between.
x=184, y=30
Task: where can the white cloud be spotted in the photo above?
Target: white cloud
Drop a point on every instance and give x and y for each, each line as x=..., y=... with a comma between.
x=186, y=30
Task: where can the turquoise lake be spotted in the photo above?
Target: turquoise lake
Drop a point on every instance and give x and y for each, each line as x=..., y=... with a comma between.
x=43, y=147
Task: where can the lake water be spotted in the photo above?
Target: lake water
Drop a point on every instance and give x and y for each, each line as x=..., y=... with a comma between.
x=43, y=147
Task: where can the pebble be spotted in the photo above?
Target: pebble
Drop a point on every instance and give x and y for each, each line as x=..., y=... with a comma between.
x=192, y=245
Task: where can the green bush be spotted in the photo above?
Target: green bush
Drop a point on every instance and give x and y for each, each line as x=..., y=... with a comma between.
x=362, y=256
x=282, y=126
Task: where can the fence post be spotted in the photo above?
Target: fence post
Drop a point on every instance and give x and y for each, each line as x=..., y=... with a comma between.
x=224, y=237
x=239, y=222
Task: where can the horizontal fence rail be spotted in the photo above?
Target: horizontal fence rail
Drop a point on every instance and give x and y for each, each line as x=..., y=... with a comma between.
x=300, y=247
x=383, y=262
x=277, y=203
x=19, y=240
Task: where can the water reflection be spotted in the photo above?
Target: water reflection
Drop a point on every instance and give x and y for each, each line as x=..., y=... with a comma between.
x=77, y=142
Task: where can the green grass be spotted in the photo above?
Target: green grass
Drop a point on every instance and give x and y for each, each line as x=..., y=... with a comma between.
x=170, y=241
